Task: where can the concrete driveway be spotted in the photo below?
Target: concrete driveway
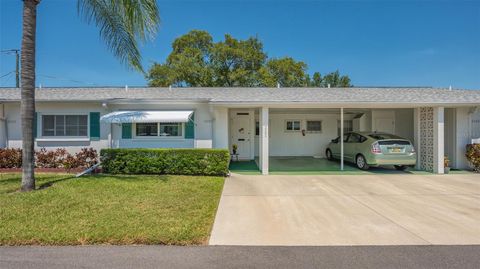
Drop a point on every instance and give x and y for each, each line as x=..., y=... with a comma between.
x=398, y=209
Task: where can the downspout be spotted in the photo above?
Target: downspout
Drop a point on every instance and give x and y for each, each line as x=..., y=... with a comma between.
x=5, y=124
x=211, y=112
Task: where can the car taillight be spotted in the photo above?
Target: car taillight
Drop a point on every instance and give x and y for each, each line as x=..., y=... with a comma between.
x=376, y=148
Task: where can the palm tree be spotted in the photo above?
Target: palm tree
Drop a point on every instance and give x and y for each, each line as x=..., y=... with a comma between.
x=121, y=23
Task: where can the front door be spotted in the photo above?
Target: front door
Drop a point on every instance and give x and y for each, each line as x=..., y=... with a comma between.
x=240, y=133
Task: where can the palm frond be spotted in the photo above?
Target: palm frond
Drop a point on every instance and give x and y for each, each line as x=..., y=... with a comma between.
x=122, y=23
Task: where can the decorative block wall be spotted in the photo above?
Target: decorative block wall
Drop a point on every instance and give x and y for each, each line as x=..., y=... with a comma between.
x=427, y=139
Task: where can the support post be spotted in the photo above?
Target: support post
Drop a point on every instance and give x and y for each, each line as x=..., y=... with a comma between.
x=264, y=140
x=341, y=139
x=438, y=140
x=417, y=136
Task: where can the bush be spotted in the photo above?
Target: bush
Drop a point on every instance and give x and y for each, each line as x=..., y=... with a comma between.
x=10, y=158
x=51, y=159
x=59, y=158
x=165, y=161
x=473, y=156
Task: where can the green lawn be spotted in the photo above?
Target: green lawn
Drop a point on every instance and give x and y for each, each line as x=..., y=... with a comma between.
x=106, y=209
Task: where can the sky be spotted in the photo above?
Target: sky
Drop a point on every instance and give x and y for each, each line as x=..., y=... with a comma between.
x=376, y=43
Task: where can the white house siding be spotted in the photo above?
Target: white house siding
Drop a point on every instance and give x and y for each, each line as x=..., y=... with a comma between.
x=220, y=127
x=14, y=136
x=284, y=143
x=404, y=123
x=314, y=144
x=203, y=128
x=463, y=136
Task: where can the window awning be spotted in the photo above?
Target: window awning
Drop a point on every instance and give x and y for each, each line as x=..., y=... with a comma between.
x=146, y=116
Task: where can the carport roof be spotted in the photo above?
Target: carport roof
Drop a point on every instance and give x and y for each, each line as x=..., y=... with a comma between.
x=254, y=95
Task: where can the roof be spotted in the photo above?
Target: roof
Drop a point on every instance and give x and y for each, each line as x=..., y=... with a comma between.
x=255, y=95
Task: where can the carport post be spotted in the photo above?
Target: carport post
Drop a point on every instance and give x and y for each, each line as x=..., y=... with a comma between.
x=438, y=140
x=341, y=139
x=264, y=140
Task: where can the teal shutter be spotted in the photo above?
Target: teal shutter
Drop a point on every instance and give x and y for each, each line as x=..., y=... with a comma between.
x=190, y=128
x=94, y=125
x=35, y=125
x=126, y=131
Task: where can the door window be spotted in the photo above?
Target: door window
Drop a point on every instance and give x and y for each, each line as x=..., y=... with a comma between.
x=354, y=138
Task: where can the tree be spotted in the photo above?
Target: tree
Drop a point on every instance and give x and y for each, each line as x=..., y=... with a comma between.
x=335, y=80
x=197, y=61
x=285, y=71
x=121, y=24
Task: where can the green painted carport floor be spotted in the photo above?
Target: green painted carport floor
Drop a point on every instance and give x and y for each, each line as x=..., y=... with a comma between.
x=311, y=166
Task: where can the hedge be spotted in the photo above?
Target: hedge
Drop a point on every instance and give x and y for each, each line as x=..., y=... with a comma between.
x=165, y=161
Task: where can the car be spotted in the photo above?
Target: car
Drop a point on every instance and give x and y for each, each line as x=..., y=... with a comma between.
x=372, y=149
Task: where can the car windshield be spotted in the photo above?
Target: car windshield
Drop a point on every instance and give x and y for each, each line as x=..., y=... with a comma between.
x=384, y=136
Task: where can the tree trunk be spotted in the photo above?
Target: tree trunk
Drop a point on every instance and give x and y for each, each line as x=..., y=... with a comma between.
x=27, y=105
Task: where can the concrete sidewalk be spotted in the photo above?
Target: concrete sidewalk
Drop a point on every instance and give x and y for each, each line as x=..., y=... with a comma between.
x=349, y=210
x=239, y=257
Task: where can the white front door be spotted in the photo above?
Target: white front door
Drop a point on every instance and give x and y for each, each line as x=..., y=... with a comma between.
x=240, y=134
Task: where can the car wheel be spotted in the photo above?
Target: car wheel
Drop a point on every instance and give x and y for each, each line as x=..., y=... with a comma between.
x=400, y=167
x=329, y=155
x=361, y=162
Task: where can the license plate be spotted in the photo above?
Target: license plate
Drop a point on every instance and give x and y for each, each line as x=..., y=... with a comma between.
x=395, y=150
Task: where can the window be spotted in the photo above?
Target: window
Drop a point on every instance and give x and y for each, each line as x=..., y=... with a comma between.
x=354, y=138
x=347, y=126
x=292, y=125
x=171, y=129
x=147, y=129
x=64, y=125
x=257, y=128
x=314, y=126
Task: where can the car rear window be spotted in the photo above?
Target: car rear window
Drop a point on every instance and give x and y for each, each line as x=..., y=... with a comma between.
x=384, y=136
x=394, y=142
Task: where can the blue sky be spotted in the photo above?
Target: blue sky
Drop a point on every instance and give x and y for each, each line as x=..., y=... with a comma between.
x=377, y=43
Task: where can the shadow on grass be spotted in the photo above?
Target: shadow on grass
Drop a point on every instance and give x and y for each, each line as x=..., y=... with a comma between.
x=129, y=177
x=50, y=183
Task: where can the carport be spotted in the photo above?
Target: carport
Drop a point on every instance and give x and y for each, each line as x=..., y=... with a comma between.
x=293, y=122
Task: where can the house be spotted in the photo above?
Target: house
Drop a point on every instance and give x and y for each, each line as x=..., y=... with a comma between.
x=262, y=122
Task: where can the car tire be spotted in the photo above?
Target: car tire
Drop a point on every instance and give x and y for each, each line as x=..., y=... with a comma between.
x=361, y=162
x=400, y=167
x=329, y=155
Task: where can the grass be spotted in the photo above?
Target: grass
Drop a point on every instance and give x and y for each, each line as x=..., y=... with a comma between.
x=107, y=209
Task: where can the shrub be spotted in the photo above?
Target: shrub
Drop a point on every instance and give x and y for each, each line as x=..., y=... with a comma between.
x=10, y=158
x=165, y=161
x=473, y=156
x=51, y=159
x=87, y=157
x=59, y=158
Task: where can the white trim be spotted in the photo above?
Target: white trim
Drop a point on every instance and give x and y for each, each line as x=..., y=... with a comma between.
x=63, y=139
